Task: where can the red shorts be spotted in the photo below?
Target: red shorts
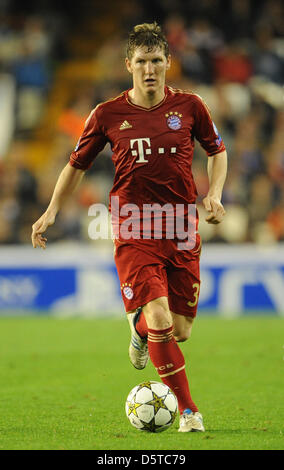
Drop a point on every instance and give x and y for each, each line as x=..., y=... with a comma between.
x=148, y=269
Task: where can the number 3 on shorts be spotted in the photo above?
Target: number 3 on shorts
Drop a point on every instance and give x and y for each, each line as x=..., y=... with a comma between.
x=196, y=288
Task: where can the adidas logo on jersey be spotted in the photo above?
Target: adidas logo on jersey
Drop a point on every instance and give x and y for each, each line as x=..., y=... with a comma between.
x=125, y=125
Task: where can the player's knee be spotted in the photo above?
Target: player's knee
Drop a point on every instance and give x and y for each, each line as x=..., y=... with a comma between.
x=157, y=315
x=158, y=319
x=180, y=337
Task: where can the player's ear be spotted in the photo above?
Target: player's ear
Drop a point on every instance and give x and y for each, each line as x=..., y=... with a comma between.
x=169, y=61
x=128, y=65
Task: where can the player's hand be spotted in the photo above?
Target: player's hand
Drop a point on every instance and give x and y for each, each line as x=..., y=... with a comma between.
x=39, y=227
x=215, y=209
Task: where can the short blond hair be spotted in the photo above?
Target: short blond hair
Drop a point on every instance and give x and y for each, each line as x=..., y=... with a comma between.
x=148, y=35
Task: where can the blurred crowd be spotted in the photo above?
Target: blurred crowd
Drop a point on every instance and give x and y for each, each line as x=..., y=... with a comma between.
x=229, y=52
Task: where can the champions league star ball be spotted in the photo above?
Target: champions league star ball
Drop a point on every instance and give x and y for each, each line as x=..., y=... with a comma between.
x=151, y=406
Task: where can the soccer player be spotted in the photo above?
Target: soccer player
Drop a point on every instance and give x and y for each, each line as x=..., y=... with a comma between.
x=151, y=129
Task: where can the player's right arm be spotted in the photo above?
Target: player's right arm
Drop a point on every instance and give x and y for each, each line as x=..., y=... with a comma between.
x=91, y=142
x=68, y=181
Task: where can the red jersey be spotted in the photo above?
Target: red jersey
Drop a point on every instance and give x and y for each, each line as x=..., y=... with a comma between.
x=152, y=148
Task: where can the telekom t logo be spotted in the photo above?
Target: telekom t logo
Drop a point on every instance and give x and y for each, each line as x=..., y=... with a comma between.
x=143, y=149
x=140, y=147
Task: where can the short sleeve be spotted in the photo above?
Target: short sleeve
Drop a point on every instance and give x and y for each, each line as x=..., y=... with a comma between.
x=205, y=130
x=91, y=142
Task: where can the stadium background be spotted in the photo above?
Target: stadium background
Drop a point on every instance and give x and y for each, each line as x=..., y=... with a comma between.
x=57, y=61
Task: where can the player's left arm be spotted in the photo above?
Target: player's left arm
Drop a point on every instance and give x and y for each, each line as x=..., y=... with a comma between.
x=217, y=171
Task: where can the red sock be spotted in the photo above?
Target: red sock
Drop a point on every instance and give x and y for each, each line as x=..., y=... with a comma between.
x=168, y=359
x=141, y=326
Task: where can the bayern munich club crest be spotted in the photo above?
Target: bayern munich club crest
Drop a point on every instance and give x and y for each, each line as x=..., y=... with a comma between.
x=174, y=120
x=127, y=291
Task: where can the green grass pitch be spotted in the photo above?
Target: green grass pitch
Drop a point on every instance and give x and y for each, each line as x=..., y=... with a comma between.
x=64, y=383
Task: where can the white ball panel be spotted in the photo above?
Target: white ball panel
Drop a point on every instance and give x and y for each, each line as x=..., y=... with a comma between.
x=145, y=412
x=144, y=395
x=160, y=389
x=171, y=402
x=162, y=417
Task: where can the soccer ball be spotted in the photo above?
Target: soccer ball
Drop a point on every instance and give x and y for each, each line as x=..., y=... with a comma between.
x=151, y=406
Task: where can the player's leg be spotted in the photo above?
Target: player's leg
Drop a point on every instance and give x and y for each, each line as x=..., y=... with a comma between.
x=165, y=353
x=190, y=420
x=138, y=347
x=183, y=293
x=163, y=328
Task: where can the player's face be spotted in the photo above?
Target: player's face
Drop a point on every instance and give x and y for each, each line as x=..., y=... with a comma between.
x=148, y=69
